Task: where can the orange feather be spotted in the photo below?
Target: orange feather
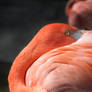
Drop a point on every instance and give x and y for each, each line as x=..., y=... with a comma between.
x=49, y=37
x=64, y=69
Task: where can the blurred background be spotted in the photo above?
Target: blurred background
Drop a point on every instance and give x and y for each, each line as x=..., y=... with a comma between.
x=20, y=20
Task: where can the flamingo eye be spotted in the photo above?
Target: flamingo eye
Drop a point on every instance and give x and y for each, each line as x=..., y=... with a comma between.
x=68, y=33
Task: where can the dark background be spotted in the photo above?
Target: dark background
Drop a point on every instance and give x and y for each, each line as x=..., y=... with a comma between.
x=19, y=22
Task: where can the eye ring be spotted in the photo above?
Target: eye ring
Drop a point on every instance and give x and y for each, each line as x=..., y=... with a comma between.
x=68, y=32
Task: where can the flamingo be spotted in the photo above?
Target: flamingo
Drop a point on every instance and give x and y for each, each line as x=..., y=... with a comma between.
x=79, y=13
x=48, y=38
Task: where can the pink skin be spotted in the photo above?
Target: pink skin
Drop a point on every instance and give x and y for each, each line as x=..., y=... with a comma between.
x=80, y=14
